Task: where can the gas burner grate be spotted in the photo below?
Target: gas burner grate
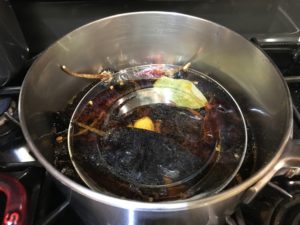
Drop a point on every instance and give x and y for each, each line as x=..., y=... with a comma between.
x=277, y=204
x=287, y=211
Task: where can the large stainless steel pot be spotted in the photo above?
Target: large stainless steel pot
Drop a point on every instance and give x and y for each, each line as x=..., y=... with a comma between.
x=138, y=38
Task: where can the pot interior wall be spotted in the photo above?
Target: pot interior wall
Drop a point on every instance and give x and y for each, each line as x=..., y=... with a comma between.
x=145, y=38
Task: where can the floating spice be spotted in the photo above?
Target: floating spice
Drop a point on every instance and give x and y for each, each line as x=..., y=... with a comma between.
x=103, y=75
x=182, y=92
x=144, y=123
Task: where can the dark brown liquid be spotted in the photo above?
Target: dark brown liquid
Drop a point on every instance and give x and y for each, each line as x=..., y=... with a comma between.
x=164, y=163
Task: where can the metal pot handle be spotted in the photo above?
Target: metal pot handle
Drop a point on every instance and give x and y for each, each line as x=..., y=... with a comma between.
x=288, y=165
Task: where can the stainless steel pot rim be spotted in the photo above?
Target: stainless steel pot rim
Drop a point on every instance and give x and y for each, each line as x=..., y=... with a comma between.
x=160, y=206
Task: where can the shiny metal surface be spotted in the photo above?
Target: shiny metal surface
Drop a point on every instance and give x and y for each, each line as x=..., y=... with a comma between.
x=16, y=156
x=281, y=190
x=143, y=97
x=13, y=48
x=142, y=38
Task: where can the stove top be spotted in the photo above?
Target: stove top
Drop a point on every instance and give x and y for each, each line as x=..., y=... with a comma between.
x=278, y=203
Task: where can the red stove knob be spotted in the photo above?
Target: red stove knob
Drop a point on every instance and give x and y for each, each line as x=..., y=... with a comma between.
x=15, y=200
x=11, y=218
